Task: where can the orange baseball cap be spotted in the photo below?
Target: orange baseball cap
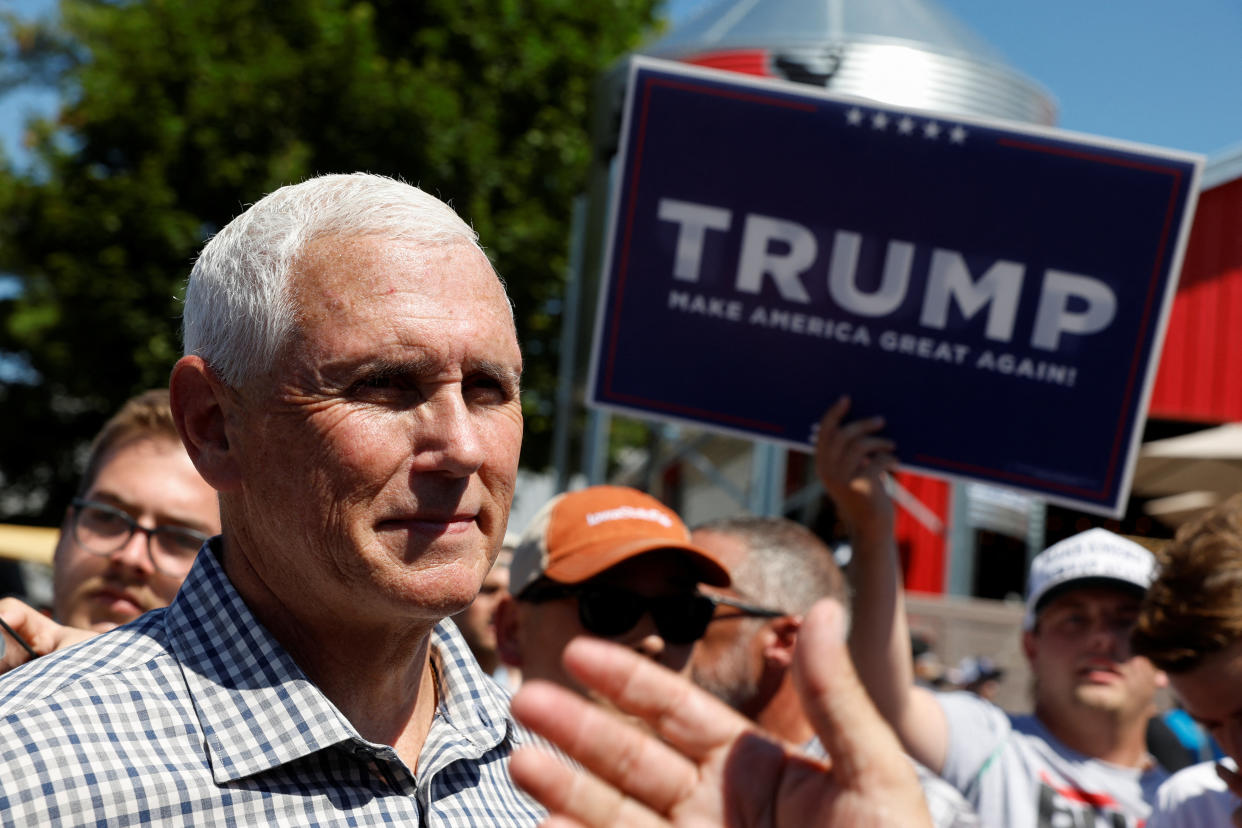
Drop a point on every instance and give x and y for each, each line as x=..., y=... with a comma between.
x=578, y=535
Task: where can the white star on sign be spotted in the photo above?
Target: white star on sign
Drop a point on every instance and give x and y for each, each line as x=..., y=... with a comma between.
x=854, y=116
x=879, y=120
x=906, y=125
x=931, y=130
x=957, y=135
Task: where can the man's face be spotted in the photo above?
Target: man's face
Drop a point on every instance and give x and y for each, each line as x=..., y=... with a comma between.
x=544, y=628
x=1080, y=654
x=377, y=459
x=153, y=481
x=1212, y=694
x=728, y=661
x=477, y=622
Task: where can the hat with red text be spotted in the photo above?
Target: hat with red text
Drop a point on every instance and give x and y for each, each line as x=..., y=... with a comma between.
x=1096, y=557
x=578, y=535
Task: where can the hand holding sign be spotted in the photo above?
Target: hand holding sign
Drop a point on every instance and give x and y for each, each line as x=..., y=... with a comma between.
x=851, y=462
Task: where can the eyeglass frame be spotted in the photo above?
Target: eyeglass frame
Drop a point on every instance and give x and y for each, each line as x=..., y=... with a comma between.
x=544, y=590
x=80, y=503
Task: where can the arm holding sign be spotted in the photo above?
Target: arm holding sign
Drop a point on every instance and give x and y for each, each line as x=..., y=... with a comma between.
x=852, y=462
x=41, y=633
x=710, y=765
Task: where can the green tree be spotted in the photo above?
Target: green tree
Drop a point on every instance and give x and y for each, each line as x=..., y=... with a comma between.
x=176, y=115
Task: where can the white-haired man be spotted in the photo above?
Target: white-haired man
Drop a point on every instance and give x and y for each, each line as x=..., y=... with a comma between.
x=350, y=388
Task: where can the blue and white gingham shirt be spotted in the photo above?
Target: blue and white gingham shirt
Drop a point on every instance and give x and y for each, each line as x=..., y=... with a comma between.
x=195, y=715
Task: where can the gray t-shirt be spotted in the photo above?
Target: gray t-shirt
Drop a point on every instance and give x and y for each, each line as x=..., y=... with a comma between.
x=1017, y=775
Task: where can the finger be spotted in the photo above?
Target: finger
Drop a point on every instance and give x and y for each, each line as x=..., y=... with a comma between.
x=1231, y=778
x=11, y=655
x=884, y=461
x=26, y=628
x=615, y=750
x=857, y=456
x=841, y=438
x=689, y=719
x=574, y=797
x=861, y=745
x=16, y=649
x=834, y=415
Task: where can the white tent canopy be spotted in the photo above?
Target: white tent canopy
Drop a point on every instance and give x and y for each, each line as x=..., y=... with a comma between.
x=1191, y=473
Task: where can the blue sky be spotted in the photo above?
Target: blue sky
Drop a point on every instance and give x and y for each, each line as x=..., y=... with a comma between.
x=1151, y=71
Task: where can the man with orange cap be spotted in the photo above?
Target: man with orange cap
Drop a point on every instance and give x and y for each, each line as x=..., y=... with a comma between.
x=614, y=563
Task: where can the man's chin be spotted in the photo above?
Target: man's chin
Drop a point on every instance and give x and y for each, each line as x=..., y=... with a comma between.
x=1109, y=697
x=103, y=626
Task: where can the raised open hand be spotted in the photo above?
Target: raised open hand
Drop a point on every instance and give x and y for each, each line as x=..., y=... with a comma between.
x=710, y=766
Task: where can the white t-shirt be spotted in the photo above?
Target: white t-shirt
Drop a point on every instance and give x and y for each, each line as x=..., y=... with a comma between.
x=1017, y=775
x=1194, y=797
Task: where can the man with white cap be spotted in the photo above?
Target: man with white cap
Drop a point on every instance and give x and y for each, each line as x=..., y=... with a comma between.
x=1080, y=759
x=614, y=563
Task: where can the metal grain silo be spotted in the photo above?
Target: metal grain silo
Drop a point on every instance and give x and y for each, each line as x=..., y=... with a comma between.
x=900, y=52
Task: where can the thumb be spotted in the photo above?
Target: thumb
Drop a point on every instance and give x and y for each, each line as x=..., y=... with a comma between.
x=857, y=739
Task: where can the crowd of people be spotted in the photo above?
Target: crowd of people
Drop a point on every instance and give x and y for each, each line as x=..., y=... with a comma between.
x=284, y=595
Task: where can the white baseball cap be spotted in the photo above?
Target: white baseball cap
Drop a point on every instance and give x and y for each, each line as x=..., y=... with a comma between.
x=1096, y=556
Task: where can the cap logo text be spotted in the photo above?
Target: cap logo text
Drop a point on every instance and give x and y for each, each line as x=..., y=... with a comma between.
x=628, y=513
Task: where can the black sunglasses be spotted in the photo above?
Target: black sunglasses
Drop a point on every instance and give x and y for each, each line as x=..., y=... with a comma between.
x=609, y=611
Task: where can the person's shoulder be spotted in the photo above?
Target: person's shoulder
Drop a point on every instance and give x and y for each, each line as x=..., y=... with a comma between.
x=80, y=668
x=1190, y=782
x=1193, y=797
x=960, y=706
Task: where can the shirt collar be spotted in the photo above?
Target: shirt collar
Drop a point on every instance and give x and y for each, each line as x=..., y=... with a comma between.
x=256, y=707
x=473, y=715
x=258, y=710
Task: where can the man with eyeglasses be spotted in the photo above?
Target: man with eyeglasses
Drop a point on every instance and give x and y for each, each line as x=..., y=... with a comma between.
x=128, y=539
x=610, y=562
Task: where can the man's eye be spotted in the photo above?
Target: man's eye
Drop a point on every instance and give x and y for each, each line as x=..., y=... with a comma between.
x=486, y=391
x=379, y=381
x=383, y=385
x=1074, y=621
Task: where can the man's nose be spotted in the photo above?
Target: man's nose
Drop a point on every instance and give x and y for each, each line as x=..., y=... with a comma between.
x=1106, y=636
x=134, y=554
x=448, y=435
x=645, y=638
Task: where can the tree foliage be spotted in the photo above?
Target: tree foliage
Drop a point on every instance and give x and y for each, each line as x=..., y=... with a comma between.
x=176, y=115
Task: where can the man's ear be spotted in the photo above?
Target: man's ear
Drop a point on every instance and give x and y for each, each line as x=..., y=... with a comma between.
x=780, y=637
x=1029, y=645
x=199, y=407
x=507, y=625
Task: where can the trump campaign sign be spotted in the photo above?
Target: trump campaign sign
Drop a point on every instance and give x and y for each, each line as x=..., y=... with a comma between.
x=997, y=292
